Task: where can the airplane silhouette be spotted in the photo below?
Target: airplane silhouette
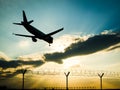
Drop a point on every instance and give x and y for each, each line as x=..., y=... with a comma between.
x=36, y=33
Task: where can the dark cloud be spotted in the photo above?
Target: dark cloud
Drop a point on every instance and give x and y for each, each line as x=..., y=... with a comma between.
x=91, y=45
x=8, y=74
x=115, y=47
x=8, y=64
x=15, y=63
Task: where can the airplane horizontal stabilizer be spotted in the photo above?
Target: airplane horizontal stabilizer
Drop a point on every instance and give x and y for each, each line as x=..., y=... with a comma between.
x=17, y=23
x=30, y=21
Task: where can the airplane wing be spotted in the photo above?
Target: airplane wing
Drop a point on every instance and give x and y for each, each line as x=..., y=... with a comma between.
x=52, y=33
x=23, y=35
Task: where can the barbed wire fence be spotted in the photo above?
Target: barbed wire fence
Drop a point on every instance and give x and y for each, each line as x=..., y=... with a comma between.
x=74, y=73
x=88, y=73
x=77, y=73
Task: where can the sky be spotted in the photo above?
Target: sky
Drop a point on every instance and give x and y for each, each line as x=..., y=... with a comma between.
x=90, y=41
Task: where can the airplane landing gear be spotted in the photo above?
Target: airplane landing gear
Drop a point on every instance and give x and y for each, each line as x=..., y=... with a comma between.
x=49, y=44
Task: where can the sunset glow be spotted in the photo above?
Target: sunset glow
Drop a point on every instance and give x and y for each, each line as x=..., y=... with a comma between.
x=88, y=47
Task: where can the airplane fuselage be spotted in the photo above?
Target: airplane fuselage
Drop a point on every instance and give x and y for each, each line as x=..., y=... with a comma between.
x=37, y=33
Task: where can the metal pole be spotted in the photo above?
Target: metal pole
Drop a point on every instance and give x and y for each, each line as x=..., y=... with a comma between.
x=67, y=74
x=67, y=83
x=101, y=80
x=23, y=82
x=101, y=83
x=23, y=73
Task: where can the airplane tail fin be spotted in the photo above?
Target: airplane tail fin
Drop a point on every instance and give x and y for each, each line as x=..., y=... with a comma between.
x=24, y=20
x=24, y=17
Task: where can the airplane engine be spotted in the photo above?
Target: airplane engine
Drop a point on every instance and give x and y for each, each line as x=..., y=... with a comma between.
x=34, y=39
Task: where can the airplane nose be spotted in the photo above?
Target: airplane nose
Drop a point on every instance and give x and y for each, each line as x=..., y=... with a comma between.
x=49, y=39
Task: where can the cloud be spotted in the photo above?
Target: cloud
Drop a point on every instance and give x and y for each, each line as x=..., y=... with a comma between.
x=114, y=47
x=9, y=74
x=31, y=57
x=6, y=67
x=105, y=32
x=91, y=45
x=4, y=57
x=63, y=42
x=15, y=63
